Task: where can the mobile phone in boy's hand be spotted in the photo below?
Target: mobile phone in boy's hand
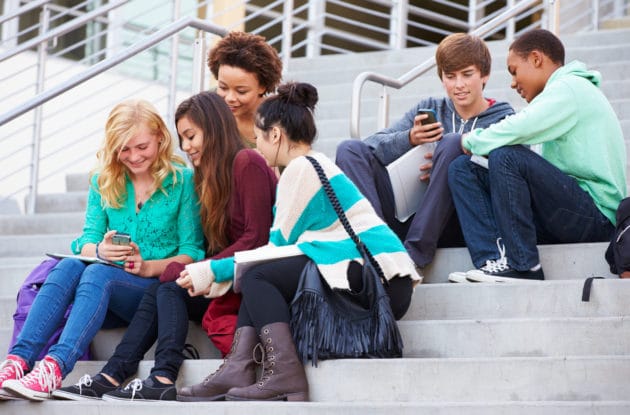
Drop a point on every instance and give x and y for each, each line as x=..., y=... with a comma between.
x=432, y=117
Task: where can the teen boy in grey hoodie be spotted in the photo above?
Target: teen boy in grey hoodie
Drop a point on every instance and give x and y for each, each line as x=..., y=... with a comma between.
x=463, y=65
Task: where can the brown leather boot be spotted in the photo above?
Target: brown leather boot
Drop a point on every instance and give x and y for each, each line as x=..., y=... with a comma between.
x=283, y=377
x=238, y=369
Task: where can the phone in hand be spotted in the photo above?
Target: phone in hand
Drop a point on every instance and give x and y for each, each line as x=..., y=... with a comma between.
x=120, y=238
x=431, y=113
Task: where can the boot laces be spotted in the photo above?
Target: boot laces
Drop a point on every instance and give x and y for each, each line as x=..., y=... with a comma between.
x=268, y=362
x=237, y=336
x=497, y=265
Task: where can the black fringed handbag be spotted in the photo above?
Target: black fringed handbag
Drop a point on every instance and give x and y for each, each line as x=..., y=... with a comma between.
x=334, y=323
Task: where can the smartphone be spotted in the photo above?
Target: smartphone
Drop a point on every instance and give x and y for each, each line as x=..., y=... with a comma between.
x=121, y=238
x=432, y=116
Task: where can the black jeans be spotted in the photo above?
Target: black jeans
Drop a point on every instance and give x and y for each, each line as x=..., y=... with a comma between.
x=268, y=290
x=162, y=315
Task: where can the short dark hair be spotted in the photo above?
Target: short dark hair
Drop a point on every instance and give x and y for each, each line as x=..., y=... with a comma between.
x=251, y=53
x=460, y=50
x=541, y=40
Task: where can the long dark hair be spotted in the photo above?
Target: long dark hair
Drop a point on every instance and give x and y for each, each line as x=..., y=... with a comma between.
x=213, y=176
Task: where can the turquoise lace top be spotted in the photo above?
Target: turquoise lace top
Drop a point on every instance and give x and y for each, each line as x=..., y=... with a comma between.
x=167, y=225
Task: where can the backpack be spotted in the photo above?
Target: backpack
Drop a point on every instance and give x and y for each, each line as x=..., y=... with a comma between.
x=618, y=252
x=25, y=297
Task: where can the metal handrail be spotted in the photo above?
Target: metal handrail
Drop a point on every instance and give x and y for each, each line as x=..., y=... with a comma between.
x=105, y=64
x=61, y=30
x=406, y=78
x=24, y=9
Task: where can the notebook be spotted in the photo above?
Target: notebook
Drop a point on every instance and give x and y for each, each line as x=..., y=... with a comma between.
x=86, y=259
x=404, y=175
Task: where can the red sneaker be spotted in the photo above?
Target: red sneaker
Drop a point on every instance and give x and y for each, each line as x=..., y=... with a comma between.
x=12, y=368
x=39, y=384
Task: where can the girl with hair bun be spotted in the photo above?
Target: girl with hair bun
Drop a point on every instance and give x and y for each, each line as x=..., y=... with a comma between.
x=285, y=131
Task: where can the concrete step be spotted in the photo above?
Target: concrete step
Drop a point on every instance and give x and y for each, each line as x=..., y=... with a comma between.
x=454, y=338
x=547, y=299
x=516, y=337
x=320, y=408
x=344, y=68
x=61, y=202
x=434, y=302
x=510, y=379
x=580, y=43
x=560, y=262
x=49, y=223
x=35, y=245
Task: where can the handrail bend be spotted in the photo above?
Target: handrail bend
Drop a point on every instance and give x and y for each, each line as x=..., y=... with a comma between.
x=107, y=63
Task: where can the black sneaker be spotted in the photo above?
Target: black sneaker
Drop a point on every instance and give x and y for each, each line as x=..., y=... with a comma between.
x=87, y=388
x=148, y=390
x=500, y=271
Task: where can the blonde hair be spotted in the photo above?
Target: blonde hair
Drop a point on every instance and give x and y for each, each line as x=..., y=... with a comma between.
x=122, y=125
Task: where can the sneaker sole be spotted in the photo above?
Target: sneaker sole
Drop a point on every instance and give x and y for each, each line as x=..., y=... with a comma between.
x=15, y=388
x=117, y=399
x=69, y=396
x=458, y=277
x=6, y=396
x=480, y=277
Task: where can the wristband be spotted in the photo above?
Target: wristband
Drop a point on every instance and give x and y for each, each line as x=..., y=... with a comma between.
x=97, y=244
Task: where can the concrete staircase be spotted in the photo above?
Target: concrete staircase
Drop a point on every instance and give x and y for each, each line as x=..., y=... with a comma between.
x=521, y=348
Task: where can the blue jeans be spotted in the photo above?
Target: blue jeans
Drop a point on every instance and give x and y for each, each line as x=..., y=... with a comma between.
x=525, y=200
x=93, y=289
x=162, y=315
x=434, y=223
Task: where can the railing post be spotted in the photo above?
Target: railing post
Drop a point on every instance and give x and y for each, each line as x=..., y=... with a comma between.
x=383, y=109
x=287, y=34
x=10, y=28
x=398, y=24
x=510, y=28
x=172, y=86
x=198, y=64
x=552, y=12
x=472, y=15
x=595, y=15
x=316, y=10
x=42, y=54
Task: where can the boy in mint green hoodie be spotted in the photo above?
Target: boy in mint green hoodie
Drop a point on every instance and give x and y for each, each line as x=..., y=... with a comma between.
x=569, y=193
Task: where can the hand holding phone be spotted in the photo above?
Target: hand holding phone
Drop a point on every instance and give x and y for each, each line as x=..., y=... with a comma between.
x=426, y=130
x=431, y=116
x=120, y=238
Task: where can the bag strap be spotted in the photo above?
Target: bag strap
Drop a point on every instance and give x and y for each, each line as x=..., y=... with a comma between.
x=334, y=201
x=586, y=289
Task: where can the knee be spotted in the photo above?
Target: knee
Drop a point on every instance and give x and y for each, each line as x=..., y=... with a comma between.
x=506, y=157
x=95, y=274
x=450, y=146
x=350, y=150
x=166, y=289
x=458, y=166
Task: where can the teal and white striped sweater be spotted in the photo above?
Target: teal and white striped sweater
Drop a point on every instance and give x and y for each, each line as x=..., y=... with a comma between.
x=304, y=216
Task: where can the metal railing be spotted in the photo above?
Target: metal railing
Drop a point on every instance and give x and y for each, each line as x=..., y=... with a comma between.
x=309, y=29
